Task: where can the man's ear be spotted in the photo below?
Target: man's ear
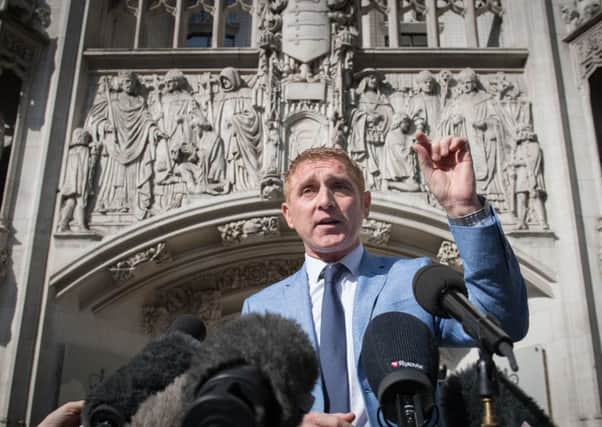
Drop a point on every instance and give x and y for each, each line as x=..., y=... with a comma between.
x=366, y=202
x=286, y=215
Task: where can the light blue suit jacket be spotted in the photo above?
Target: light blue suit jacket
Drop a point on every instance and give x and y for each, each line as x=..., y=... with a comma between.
x=491, y=272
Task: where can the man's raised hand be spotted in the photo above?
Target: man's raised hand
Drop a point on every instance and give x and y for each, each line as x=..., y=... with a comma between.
x=447, y=167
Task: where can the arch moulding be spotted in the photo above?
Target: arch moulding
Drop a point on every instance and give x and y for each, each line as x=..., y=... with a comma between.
x=210, y=258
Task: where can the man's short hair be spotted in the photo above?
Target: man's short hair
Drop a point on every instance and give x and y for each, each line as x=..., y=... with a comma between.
x=325, y=153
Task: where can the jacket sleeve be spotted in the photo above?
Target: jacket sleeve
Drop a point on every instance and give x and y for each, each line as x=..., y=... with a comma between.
x=494, y=281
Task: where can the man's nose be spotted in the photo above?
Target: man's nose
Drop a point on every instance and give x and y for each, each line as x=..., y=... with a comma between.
x=325, y=198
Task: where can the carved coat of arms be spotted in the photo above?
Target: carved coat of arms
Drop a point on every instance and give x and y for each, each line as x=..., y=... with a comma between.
x=305, y=29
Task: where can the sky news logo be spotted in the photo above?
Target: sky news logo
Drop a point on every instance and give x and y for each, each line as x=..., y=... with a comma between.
x=403, y=364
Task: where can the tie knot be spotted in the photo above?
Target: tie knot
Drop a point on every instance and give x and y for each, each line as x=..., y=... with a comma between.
x=332, y=272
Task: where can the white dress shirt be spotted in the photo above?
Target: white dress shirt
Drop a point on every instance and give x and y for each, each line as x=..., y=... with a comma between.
x=346, y=289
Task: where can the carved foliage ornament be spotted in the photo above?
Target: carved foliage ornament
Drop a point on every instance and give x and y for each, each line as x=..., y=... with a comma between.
x=202, y=295
x=589, y=51
x=376, y=232
x=34, y=14
x=254, y=228
x=577, y=12
x=123, y=270
x=481, y=6
x=448, y=254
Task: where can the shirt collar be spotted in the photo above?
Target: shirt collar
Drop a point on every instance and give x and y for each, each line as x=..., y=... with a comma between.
x=352, y=261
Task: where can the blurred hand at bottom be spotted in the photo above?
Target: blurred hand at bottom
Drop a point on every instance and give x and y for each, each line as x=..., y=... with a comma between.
x=67, y=415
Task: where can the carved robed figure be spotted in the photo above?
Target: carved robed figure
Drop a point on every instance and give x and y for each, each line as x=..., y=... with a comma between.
x=121, y=122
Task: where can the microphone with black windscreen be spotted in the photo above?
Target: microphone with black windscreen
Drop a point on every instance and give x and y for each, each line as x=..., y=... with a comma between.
x=113, y=402
x=400, y=359
x=255, y=371
x=441, y=291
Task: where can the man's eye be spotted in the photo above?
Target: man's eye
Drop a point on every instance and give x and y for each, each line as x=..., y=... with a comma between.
x=307, y=190
x=341, y=186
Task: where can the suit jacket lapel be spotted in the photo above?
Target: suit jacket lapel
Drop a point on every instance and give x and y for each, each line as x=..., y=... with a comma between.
x=372, y=275
x=296, y=296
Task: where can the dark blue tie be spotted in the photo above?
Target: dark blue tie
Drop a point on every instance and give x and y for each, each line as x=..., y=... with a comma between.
x=333, y=343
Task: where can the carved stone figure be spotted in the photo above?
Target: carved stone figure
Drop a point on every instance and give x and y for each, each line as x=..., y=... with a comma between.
x=239, y=126
x=76, y=182
x=577, y=12
x=529, y=186
x=369, y=124
x=400, y=161
x=120, y=120
x=475, y=115
x=211, y=158
x=271, y=154
x=178, y=110
x=425, y=105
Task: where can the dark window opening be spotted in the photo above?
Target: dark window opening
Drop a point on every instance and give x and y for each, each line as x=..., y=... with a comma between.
x=413, y=34
x=200, y=30
x=595, y=87
x=10, y=88
x=198, y=40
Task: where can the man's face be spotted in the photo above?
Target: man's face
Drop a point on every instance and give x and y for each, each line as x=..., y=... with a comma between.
x=325, y=207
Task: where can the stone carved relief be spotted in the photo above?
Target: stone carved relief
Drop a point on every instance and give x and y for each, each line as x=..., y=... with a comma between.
x=400, y=163
x=123, y=270
x=121, y=122
x=206, y=134
x=165, y=305
x=369, y=123
x=528, y=187
x=577, y=12
x=589, y=51
x=481, y=6
x=249, y=229
x=448, y=254
x=76, y=184
x=34, y=14
x=376, y=232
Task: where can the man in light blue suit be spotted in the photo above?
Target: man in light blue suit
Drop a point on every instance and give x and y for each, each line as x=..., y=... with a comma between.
x=325, y=203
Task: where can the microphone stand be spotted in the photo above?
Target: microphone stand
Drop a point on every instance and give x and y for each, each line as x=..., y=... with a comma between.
x=488, y=387
x=408, y=411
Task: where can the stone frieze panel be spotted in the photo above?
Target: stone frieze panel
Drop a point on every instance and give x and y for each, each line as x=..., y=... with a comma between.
x=151, y=142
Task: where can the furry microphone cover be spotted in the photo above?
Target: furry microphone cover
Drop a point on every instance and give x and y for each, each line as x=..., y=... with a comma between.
x=276, y=346
x=461, y=404
x=148, y=372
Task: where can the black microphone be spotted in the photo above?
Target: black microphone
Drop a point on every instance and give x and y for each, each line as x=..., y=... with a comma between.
x=441, y=291
x=255, y=371
x=400, y=359
x=114, y=401
x=461, y=407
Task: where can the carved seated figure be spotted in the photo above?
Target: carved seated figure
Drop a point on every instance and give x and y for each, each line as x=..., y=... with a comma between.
x=400, y=160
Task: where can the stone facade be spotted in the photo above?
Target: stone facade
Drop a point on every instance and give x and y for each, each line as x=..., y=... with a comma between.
x=167, y=162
